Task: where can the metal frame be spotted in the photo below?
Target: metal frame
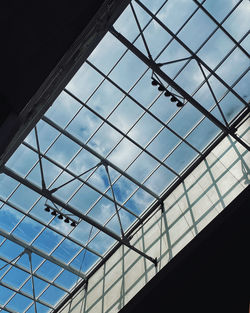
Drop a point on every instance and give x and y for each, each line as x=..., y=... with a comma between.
x=47, y=192
x=180, y=90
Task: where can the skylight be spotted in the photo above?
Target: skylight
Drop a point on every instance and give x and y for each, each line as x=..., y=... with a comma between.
x=165, y=81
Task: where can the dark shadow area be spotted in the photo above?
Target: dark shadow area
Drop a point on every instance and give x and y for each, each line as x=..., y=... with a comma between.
x=35, y=36
x=210, y=274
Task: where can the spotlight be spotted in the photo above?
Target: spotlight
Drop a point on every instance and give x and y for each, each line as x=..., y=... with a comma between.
x=161, y=88
x=60, y=217
x=179, y=104
x=173, y=99
x=73, y=224
x=47, y=209
x=154, y=82
x=54, y=213
x=66, y=220
x=167, y=93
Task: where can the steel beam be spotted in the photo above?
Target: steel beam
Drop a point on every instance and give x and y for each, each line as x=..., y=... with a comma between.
x=155, y=67
x=40, y=253
x=86, y=218
x=101, y=158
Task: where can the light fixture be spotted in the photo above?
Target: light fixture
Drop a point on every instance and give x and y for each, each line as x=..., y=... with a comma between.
x=73, y=224
x=47, y=209
x=167, y=93
x=154, y=82
x=161, y=88
x=54, y=213
x=179, y=104
x=173, y=99
x=60, y=217
x=66, y=220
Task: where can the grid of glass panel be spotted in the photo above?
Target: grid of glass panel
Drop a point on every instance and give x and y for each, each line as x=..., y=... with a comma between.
x=113, y=143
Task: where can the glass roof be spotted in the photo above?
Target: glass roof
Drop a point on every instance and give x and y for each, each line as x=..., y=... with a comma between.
x=117, y=137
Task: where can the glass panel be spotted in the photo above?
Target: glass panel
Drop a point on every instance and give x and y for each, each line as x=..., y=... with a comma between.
x=49, y=270
x=194, y=36
x=47, y=240
x=104, y=57
x=181, y=158
x=5, y=294
x=84, y=82
x=27, y=230
x=66, y=251
x=238, y=22
x=24, y=197
x=9, y=217
x=23, y=160
x=235, y=64
x=66, y=279
x=52, y=295
x=219, y=9
x=19, y=303
x=174, y=13
x=63, y=109
x=15, y=277
x=84, y=260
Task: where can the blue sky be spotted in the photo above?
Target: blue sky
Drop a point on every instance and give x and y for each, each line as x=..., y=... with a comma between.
x=22, y=210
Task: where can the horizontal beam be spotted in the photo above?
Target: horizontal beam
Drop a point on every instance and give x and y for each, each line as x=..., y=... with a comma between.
x=40, y=253
x=155, y=67
x=86, y=218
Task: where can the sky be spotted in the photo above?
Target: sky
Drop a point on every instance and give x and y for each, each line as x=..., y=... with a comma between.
x=122, y=118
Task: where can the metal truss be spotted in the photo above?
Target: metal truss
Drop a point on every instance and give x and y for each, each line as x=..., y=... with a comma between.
x=86, y=218
x=49, y=191
x=156, y=69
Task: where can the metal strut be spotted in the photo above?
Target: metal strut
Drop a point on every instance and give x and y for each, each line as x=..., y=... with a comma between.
x=47, y=194
x=153, y=65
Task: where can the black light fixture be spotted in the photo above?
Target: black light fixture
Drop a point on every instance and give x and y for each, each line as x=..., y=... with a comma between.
x=161, y=88
x=60, y=217
x=47, y=209
x=54, y=213
x=73, y=224
x=154, y=82
x=179, y=104
x=66, y=220
x=167, y=93
x=173, y=99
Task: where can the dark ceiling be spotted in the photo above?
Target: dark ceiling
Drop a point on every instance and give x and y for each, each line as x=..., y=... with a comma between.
x=34, y=37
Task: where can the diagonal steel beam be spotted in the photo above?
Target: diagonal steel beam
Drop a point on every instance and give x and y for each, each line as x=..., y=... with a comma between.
x=155, y=67
x=40, y=253
x=86, y=218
